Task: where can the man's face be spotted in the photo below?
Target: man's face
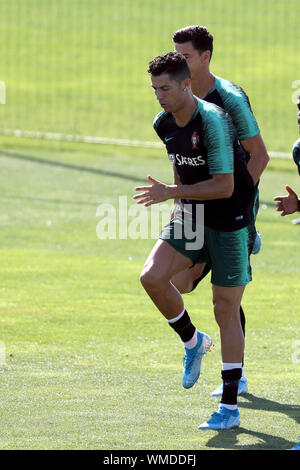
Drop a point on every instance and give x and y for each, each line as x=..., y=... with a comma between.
x=169, y=93
x=194, y=59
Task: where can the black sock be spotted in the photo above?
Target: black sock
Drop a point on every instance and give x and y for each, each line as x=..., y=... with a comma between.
x=230, y=386
x=184, y=327
x=243, y=319
x=243, y=323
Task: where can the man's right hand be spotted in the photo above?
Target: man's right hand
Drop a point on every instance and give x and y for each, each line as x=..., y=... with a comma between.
x=288, y=204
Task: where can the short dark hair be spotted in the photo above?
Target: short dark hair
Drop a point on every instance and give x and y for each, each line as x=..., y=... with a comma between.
x=171, y=63
x=201, y=39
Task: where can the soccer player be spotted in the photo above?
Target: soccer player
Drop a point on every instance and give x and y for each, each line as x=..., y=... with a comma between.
x=196, y=44
x=291, y=203
x=296, y=151
x=211, y=171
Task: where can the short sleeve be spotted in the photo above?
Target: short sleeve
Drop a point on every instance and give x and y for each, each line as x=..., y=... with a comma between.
x=218, y=137
x=237, y=104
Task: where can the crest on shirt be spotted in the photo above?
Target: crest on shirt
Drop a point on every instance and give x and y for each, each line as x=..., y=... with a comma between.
x=195, y=140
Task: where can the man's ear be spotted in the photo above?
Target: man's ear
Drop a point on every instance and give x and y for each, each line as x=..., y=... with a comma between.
x=205, y=56
x=186, y=84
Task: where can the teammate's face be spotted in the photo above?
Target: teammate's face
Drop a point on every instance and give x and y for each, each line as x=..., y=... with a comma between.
x=195, y=60
x=169, y=93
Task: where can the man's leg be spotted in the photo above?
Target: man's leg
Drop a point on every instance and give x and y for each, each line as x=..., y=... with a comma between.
x=162, y=264
x=186, y=281
x=226, y=302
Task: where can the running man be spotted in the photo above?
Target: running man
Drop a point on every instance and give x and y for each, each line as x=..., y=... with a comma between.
x=196, y=44
x=211, y=171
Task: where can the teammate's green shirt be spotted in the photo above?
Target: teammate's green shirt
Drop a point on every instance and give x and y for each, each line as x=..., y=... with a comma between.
x=296, y=154
x=234, y=101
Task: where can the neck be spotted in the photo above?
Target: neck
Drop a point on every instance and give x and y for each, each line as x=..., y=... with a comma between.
x=184, y=114
x=202, y=84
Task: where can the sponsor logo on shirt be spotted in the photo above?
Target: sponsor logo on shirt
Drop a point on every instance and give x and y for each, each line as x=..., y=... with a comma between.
x=190, y=161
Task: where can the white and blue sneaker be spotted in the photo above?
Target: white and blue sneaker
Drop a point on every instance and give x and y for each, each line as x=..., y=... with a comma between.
x=193, y=358
x=222, y=419
x=243, y=388
x=257, y=244
x=297, y=446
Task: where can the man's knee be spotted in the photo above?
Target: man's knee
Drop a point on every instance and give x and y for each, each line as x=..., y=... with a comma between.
x=151, y=278
x=226, y=311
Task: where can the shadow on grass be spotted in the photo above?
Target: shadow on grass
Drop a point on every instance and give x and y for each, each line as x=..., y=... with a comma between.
x=228, y=439
x=257, y=403
x=73, y=167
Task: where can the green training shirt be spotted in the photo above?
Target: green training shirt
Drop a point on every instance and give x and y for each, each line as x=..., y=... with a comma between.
x=206, y=146
x=234, y=101
x=296, y=154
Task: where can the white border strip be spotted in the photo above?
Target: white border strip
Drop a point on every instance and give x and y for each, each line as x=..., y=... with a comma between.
x=100, y=140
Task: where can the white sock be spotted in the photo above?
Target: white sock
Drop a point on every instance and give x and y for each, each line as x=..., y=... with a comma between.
x=231, y=365
x=229, y=407
x=192, y=342
x=173, y=320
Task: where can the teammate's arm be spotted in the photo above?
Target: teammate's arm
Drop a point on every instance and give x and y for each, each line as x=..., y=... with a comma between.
x=288, y=204
x=248, y=132
x=258, y=156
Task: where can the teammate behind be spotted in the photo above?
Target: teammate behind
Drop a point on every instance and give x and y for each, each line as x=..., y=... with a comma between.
x=196, y=44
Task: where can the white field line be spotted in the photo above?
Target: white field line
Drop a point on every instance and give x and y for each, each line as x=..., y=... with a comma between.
x=100, y=140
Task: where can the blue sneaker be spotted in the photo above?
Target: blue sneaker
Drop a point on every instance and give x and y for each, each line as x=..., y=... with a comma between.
x=297, y=446
x=192, y=360
x=257, y=244
x=222, y=419
x=243, y=388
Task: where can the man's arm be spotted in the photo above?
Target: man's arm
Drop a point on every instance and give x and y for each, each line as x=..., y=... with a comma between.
x=288, y=204
x=259, y=157
x=220, y=186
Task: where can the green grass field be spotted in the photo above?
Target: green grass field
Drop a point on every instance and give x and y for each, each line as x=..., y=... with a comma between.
x=89, y=363
x=80, y=67
x=86, y=361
